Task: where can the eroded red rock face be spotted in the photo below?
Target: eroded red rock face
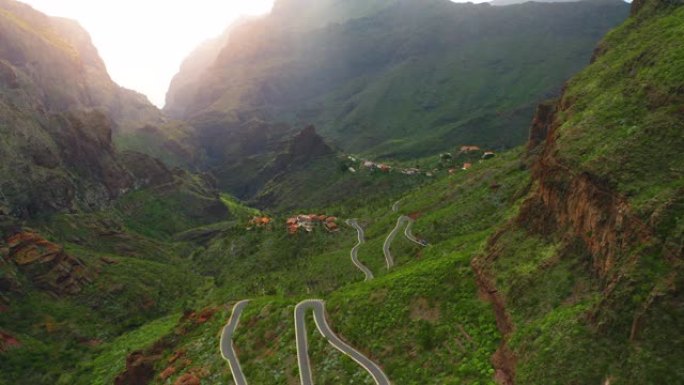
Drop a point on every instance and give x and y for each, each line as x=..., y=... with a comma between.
x=577, y=203
x=139, y=369
x=46, y=264
x=8, y=342
x=200, y=317
x=188, y=379
x=590, y=211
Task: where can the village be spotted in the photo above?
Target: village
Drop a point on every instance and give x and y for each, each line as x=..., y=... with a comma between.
x=447, y=161
x=306, y=223
x=465, y=158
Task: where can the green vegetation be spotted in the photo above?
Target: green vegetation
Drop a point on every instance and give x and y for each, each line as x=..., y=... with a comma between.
x=172, y=143
x=424, y=323
x=618, y=125
x=44, y=32
x=404, y=315
x=631, y=100
x=169, y=209
x=393, y=80
x=136, y=278
x=564, y=259
x=269, y=344
x=109, y=361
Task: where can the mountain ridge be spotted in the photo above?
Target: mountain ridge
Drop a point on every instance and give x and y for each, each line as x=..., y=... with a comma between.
x=399, y=80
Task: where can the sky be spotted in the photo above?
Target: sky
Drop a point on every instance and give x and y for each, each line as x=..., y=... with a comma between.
x=144, y=42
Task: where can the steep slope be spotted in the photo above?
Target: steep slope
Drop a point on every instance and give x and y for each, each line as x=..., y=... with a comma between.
x=59, y=110
x=56, y=60
x=50, y=150
x=576, y=242
x=399, y=78
x=184, y=84
x=49, y=66
x=86, y=231
x=592, y=265
x=422, y=321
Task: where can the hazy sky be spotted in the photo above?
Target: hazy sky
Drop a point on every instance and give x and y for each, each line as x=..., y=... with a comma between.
x=143, y=42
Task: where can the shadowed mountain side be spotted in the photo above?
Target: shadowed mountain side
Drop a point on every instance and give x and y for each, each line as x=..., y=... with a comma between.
x=399, y=78
x=59, y=112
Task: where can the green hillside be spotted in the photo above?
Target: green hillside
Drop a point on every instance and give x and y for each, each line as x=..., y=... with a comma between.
x=580, y=265
x=603, y=230
x=558, y=262
x=391, y=80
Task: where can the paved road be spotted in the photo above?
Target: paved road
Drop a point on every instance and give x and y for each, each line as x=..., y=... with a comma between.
x=395, y=206
x=390, y=238
x=227, y=347
x=318, y=307
x=409, y=234
x=355, y=250
x=388, y=241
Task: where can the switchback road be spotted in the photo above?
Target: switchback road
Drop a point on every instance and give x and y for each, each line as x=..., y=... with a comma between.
x=355, y=250
x=409, y=234
x=305, y=374
x=226, y=344
x=390, y=238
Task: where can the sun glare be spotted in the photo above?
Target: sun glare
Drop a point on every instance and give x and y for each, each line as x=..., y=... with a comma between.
x=143, y=42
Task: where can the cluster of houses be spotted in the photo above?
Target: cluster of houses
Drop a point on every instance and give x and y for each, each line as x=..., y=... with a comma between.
x=486, y=154
x=385, y=168
x=309, y=222
x=259, y=222
x=469, y=149
x=367, y=164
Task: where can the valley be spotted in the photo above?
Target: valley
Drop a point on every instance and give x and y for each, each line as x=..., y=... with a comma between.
x=350, y=192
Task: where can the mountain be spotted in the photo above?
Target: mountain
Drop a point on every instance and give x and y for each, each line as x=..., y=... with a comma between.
x=46, y=80
x=398, y=78
x=86, y=227
x=389, y=79
x=575, y=241
x=556, y=262
x=184, y=83
x=60, y=112
x=55, y=58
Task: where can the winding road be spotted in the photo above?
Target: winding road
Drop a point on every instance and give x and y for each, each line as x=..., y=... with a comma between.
x=305, y=374
x=226, y=344
x=318, y=307
x=390, y=238
x=409, y=235
x=355, y=250
x=395, y=206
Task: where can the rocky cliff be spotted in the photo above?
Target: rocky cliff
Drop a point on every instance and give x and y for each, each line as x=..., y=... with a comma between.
x=59, y=69
x=59, y=113
x=594, y=257
x=44, y=263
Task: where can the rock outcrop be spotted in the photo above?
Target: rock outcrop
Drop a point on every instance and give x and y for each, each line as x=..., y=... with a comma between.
x=139, y=368
x=46, y=264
